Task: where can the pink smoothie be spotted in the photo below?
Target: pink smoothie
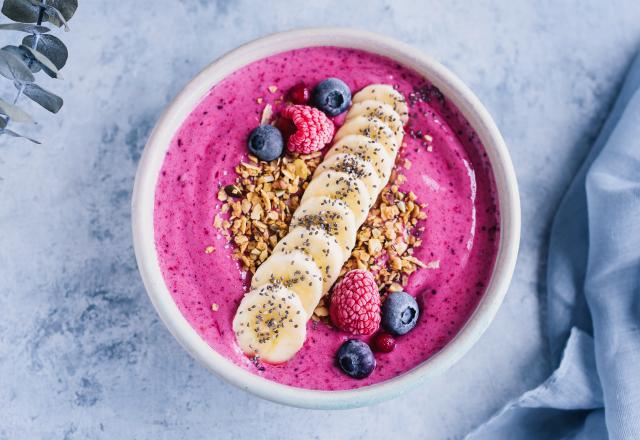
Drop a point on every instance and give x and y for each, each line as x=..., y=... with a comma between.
x=453, y=176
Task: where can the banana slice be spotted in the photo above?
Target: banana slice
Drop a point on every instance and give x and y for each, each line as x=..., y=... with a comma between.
x=379, y=110
x=295, y=271
x=387, y=94
x=270, y=323
x=368, y=150
x=341, y=186
x=356, y=167
x=322, y=247
x=332, y=216
x=372, y=128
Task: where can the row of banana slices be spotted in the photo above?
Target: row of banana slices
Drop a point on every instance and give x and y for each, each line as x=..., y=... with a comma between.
x=271, y=319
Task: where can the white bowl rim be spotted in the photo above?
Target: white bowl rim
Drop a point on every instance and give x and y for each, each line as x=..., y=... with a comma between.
x=452, y=87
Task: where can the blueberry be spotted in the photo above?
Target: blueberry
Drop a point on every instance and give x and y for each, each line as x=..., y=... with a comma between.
x=266, y=142
x=332, y=96
x=399, y=313
x=356, y=359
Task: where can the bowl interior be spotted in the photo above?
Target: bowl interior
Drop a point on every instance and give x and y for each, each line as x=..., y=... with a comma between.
x=158, y=144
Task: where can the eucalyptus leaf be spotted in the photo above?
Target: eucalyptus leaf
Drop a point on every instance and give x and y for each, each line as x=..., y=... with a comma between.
x=66, y=7
x=12, y=67
x=50, y=46
x=23, y=27
x=14, y=134
x=46, y=99
x=58, y=12
x=53, y=16
x=25, y=56
x=46, y=64
x=14, y=112
x=23, y=11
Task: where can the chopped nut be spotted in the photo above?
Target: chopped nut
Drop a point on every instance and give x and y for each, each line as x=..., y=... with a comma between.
x=258, y=224
x=215, y=307
x=321, y=311
x=209, y=249
x=433, y=264
x=301, y=169
x=241, y=239
x=389, y=212
x=400, y=247
x=246, y=206
x=375, y=247
x=256, y=212
x=396, y=263
x=251, y=167
x=273, y=89
x=417, y=262
x=267, y=113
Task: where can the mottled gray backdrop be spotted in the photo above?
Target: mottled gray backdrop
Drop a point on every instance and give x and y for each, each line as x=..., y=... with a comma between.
x=83, y=354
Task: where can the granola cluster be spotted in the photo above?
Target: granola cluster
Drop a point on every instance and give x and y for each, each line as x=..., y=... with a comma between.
x=385, y=242
x=261, y=203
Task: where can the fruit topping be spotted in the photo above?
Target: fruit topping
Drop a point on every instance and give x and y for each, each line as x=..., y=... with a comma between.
x=323, y=248
x=337, y=200
x=297, y=272
x=270, y=324
x=266, y=143
x=299, y=94
x=356, y=359
x=383, y=342
x=313, y=129
x=286, y=127
x=355, y=303
x=332, y=96
x=399, y=313
x=344, y=187
x=387, y=94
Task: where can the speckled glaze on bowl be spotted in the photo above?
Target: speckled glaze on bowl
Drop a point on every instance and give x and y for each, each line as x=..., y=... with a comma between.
x=171, y=120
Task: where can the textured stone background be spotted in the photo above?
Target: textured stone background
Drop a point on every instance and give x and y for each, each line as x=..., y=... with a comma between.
x=83, y=354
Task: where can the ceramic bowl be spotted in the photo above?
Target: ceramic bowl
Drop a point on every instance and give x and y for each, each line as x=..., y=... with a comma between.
x=452, y=87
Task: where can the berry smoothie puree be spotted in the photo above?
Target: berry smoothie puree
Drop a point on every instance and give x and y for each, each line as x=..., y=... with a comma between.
x=449, y=171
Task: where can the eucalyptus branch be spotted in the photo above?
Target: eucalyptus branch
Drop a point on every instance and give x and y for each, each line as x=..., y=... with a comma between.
x=38, y=51
x=30, y=63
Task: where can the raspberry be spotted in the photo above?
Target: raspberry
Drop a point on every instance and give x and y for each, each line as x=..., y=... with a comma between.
x=313, y=129
x=355, y=303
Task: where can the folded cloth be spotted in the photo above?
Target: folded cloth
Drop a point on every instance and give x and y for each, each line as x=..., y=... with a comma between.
x=593, y=280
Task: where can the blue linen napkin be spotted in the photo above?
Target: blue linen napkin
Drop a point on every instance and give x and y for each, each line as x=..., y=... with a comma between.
x=593, y=282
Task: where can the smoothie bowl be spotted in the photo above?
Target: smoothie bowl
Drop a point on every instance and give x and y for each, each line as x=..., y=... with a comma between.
x=325, y=217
